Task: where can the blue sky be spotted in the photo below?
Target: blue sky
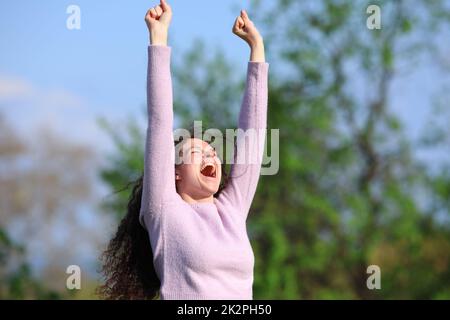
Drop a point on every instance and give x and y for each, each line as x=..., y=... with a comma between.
x=66, y=78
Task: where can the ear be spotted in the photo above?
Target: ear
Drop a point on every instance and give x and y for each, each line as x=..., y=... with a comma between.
x=177, y=176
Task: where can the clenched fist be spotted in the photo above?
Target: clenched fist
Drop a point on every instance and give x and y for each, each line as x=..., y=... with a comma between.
x=245, y=29
x=158, y=21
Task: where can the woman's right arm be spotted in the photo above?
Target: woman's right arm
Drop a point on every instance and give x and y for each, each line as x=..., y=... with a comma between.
x=159, y=171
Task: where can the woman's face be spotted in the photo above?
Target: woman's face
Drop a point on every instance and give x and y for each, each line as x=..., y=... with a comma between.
x=200, y=172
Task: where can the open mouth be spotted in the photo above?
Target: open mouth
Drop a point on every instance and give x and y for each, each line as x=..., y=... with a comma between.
x=208, y=170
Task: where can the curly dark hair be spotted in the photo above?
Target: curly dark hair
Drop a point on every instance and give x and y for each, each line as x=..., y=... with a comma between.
x=127, y=263
x=128, y=259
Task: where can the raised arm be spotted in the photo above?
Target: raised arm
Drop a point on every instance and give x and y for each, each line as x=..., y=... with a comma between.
x=159, y=172
x=246, y=168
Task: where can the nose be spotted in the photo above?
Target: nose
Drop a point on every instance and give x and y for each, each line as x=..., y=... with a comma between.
x=209, y=154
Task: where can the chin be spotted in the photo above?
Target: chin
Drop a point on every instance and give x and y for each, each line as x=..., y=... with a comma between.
x=209, y=186
x=211, y=190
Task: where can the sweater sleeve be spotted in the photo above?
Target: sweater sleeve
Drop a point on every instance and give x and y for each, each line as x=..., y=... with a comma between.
x=159, y=158
x=245, y=170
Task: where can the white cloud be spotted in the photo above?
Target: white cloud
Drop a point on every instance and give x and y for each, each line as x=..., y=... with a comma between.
x=30, y=107
x=21, y=93
x=13, y=88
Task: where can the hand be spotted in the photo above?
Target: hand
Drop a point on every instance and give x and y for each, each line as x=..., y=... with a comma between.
x=245, y=29
x=158, y=21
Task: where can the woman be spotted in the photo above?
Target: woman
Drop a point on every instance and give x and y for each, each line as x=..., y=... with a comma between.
x=184, y=236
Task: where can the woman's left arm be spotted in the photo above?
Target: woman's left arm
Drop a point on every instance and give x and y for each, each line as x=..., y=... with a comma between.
x=252, y=124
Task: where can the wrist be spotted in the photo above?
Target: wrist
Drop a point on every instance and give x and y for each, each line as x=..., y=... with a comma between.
x=158, y=39
x=257, y=52
x=256, y=44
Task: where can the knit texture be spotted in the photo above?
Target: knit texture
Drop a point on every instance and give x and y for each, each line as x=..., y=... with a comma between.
x=201, y=250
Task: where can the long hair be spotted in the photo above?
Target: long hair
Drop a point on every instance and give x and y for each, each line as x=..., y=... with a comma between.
x=127, y=262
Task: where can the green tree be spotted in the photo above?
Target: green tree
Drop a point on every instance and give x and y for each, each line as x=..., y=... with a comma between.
x=347, y=195
x=17, y=280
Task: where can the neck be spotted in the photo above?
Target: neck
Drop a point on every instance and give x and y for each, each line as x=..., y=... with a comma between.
x=190, y=199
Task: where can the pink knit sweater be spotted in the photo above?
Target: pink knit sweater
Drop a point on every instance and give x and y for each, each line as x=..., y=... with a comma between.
x=201, y=250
